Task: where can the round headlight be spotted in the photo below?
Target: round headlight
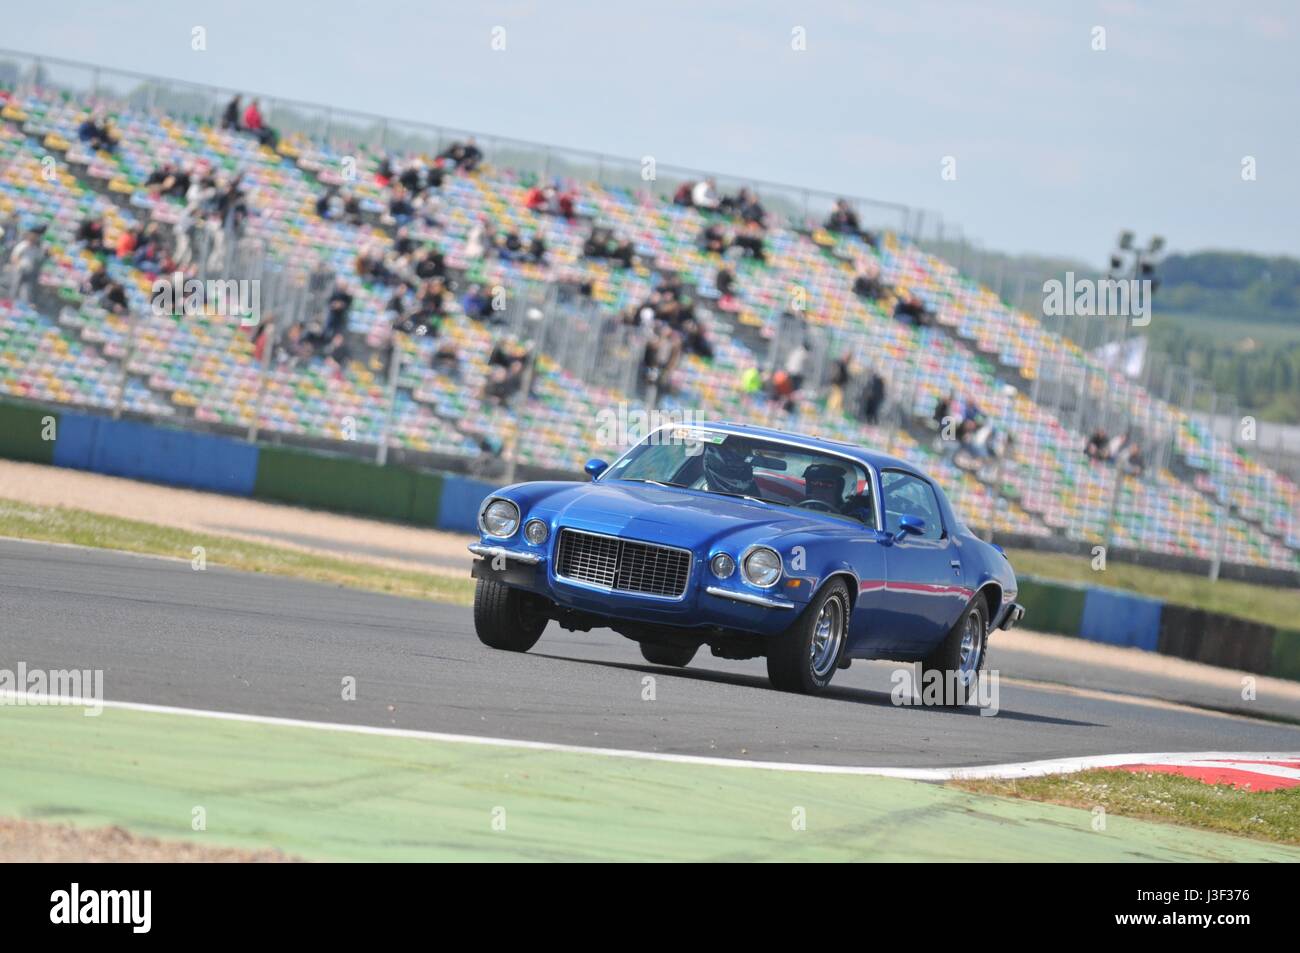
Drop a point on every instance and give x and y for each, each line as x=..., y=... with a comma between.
x=535, y=532
x=762, y=567
x=501, y=518
x=722, y=565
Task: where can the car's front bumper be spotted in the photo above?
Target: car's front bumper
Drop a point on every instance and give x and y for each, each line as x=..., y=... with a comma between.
x=707, y=603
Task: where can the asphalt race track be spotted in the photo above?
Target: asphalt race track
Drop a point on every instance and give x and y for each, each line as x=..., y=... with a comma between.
x=165, y=634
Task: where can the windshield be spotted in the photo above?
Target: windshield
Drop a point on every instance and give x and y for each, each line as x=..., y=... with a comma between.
x=743, y=466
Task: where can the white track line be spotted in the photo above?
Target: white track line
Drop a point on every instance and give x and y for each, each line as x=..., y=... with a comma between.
x=1026, y=769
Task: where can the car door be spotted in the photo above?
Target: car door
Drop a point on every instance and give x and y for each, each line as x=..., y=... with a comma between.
x=923, y=585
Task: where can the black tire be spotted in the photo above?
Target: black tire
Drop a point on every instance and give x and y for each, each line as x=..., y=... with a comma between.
x=793, y=664
x=678, y=656
x=504, y=619
x=947, y=658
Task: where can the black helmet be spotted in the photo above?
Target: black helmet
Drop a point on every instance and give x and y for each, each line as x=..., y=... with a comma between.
x=727, y=467
x=825, y=475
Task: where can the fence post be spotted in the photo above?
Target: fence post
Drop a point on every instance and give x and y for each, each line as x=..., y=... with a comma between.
x=126, y=365
x=394, y=372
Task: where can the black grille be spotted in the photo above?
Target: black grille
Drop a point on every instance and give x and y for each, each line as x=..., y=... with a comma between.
x=624, y=565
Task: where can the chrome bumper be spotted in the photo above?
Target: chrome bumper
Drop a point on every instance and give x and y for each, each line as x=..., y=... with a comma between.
x=749, y=597
x=491, y=552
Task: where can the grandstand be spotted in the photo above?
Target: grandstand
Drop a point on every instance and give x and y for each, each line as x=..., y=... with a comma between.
x=1210, y=502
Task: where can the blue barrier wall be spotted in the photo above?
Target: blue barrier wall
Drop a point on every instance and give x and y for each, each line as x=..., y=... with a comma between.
x=1121, y=618
x=461, y=498
x=145, y=452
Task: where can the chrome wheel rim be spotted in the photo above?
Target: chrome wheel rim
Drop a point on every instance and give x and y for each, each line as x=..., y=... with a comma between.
x=972, y=645
x=828, y=636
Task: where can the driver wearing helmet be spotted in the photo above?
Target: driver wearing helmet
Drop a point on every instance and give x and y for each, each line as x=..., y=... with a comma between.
x=728, y=468
x=825, y=483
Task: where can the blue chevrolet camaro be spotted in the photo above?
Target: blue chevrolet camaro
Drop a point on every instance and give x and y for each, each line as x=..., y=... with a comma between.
x=753, y=542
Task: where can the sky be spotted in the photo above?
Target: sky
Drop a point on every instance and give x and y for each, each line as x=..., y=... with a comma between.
x=1039, y=127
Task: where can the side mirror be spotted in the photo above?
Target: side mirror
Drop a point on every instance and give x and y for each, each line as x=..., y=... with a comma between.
x=595, y=467
x=909, y=525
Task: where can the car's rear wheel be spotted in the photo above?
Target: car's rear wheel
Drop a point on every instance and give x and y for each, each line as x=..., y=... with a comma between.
x=506, y=618
x=805, y=656
x=957, y=662
x=677, y=656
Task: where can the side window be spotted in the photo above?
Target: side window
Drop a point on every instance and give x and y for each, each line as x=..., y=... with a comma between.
x=905, y=494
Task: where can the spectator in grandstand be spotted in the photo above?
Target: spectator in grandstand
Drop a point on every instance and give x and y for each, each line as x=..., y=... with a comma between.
x=230, y=115
x=507, y=367
x=724, y=282
x=96, y=281
x=750, y=241
x=873, y=398
x=328, y=205
x=465, y=156
x=150, y=251
x=843, y=220
x=370, y=265
x=337, y=354
x=537, y=249
x=479, y=239
x=602, y=243
x=750, y=209
x=429, y=263
x=551, y=200
x=26, y=259
x=337, y=308
x=704, y=195
x=126, y=242
x=90, y=233
x=867, y=283
x=1097, y=447
x=430, y=309
x=1131, y=459
x=400, y=209
x=509, y=246
x=414, y=177
x=912, y=309
x=841, y=377
x=796, y=364
x=231, y=205
x=254, y=124
x=663, y=349
x=395, y=308
x=168, y=181
x=476, y=303
x=201, y=196
x=682, y=196
x=384, y=172
x=944, y=408
x=114, y=298
x=95, y=132
x=713, y=239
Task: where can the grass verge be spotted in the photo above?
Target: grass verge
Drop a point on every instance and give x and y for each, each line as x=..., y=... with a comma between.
x=1263, y=815
x=1271, y=605
x=65, y=525
x=339, y=795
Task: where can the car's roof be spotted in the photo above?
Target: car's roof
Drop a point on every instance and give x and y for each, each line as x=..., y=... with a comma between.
x=878, y=460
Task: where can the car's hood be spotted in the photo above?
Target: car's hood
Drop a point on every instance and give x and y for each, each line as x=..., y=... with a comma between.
x=670, y=515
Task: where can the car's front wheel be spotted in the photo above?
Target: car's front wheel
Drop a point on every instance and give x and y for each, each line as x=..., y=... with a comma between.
x=805, y=656
x=957, y=662
x=677, y=656
x=506, y=618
